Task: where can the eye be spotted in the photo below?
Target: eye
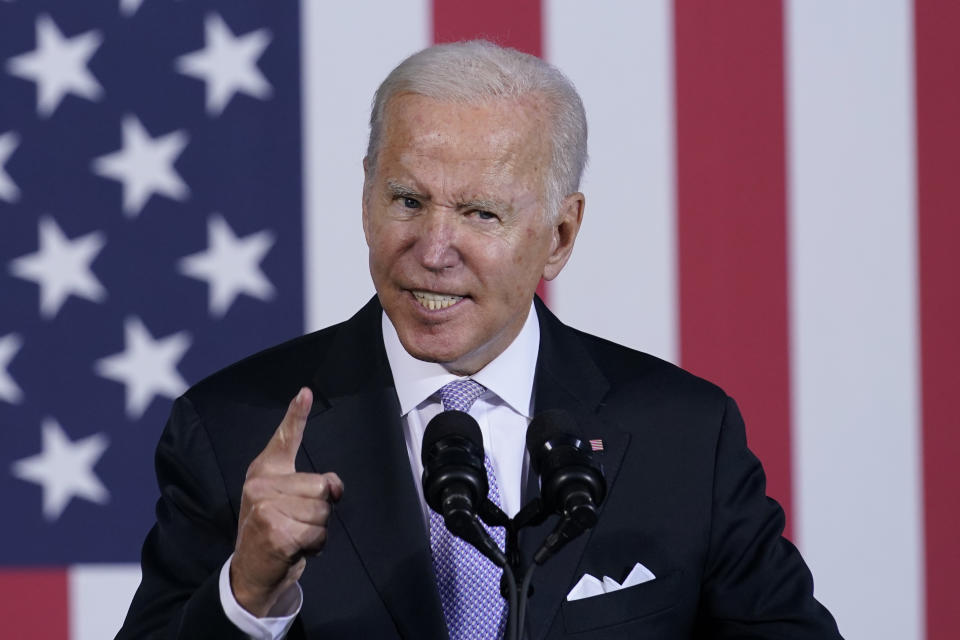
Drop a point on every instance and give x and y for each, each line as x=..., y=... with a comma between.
x=410, y=203
x=486, y=215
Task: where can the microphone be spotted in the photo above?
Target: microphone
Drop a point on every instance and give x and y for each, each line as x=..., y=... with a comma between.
x=571, y=481
x=455, y=479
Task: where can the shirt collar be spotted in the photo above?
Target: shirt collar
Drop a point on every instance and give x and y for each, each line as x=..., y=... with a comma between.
x=510, y=375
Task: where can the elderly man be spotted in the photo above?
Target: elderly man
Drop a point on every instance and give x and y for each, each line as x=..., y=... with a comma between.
x=470, y=198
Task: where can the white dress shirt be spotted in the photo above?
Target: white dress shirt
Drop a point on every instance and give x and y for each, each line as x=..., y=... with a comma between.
x=503, y=412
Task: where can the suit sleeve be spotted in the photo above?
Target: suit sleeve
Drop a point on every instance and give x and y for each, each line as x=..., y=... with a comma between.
x=194, y=535
x=755, y=585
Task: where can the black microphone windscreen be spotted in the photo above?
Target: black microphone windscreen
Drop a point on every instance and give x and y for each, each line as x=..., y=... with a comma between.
x=549, y=425
x=451, y=423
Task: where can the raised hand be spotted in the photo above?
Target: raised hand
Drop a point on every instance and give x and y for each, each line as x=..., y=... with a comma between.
x=283, y=515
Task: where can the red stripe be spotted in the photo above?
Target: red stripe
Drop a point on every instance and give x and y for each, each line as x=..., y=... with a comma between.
x=33, y=604
x=937, y=23
x=511, y=23
x=731, y=214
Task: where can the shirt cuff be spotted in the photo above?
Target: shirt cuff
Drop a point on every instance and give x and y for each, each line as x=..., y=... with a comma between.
x=277, y=623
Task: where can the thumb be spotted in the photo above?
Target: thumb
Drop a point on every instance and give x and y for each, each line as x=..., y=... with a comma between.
x=281, y=452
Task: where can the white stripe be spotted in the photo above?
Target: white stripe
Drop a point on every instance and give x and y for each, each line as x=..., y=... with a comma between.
x=99, y=596
x=348, y=48
x=853, y=310
x=621, y=281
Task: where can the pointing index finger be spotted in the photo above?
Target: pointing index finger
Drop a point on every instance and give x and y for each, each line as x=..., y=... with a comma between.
x=281, y=451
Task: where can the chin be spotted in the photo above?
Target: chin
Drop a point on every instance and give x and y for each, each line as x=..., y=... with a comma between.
x=433, y=349
x=430, y=353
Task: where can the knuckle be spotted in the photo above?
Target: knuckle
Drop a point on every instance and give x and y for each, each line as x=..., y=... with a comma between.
x=281, y=433
x=254, y=489
x=279, y=538
x=323, y=511
x=314, y=539
x=259, y=515
x=257, y=467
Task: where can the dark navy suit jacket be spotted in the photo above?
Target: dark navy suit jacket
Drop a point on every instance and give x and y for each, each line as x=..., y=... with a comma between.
x=686, y=498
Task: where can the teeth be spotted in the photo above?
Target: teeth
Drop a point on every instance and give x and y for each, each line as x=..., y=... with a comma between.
x=434, y=301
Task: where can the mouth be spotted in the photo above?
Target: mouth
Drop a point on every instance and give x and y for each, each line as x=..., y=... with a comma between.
x=435, y=301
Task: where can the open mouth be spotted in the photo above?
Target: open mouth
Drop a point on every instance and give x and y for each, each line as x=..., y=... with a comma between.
x=435, y=301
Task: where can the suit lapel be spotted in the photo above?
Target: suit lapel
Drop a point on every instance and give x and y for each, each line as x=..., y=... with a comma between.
x=567, y=378
x=355, y=429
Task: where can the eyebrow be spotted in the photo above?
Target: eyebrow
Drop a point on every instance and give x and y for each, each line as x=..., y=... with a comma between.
x=402, y=191
x=485, y=205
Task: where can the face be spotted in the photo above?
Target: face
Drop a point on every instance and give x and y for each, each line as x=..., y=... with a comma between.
x=454, y=218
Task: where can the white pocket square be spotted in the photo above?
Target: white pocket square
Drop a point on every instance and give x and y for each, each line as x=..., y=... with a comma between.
x=588, y=586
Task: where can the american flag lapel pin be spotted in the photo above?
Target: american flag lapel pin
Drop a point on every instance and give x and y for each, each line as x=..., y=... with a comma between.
x=597, y=444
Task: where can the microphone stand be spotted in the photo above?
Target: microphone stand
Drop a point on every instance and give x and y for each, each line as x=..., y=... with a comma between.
x=531, y=514
x=494, y=516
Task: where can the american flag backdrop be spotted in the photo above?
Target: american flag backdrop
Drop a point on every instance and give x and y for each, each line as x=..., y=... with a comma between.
x=771, y=203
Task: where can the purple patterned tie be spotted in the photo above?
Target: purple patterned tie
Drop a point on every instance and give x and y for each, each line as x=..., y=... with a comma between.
x=468, y=582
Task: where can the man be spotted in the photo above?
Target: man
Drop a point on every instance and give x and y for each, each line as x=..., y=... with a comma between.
x=470, y=198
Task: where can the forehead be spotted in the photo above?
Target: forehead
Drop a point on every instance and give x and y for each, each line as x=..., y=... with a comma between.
x=497, y=134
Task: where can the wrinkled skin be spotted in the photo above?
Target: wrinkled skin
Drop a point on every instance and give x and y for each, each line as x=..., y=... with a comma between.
x=454, y=204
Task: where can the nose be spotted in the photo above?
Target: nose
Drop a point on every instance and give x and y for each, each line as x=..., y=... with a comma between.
x=437, y=241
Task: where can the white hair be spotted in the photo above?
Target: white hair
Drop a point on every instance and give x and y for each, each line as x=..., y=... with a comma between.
x=476, y=71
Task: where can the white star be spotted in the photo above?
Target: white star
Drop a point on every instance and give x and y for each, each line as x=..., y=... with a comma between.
x=227, y=64
x=64, y=469
x=61, y=267
x=129, y=7
x=58, y=65
x=8, y=188
x=145, y=166
x=230, y=265
x=9, y=390
x=147, y=367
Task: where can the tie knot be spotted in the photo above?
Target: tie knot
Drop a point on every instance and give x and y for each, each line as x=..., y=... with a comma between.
x=460, y=395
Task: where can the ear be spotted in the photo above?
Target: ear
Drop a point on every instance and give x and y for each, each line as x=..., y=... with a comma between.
x=363, y=199
x=565, y=230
